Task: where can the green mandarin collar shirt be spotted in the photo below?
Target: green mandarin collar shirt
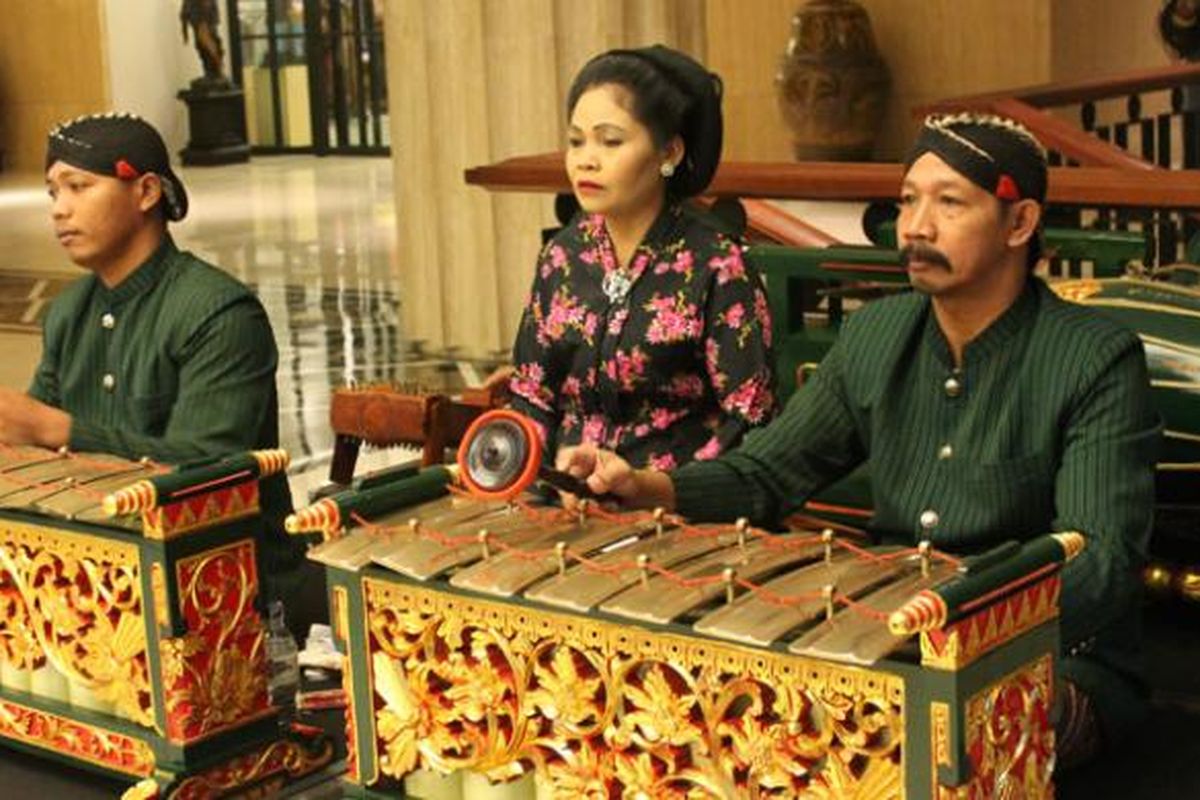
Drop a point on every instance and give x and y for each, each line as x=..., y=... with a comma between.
x=1046, y=426
x=177, y=362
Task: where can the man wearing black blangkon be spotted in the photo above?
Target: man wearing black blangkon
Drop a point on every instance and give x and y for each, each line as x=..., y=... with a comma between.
x=987, y=408
x=155, y=352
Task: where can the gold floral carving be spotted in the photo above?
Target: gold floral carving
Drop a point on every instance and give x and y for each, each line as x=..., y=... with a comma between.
x=263, y=771
x=1076, y=290
x=145, y=789
x=66, y=736
x=158, y=587
x=604, y=709
x=340, y=614
x=214, y=676
x=75, y=601
x=1010, y=739
x=939, y=725
x=18, y=643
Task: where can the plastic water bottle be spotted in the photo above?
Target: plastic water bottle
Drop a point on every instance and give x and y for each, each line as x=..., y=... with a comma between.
x=284, y=680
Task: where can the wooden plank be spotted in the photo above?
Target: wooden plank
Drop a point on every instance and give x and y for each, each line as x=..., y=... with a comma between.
x=509, y=572
x=583, y=587
x=1083, y=186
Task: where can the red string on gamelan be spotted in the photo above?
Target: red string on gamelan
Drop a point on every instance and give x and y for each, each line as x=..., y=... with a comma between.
x=497, y=543
x=1006, y=188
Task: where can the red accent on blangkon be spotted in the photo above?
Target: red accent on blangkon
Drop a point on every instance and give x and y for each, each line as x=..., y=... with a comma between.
x=125, y=170
x=1006, y=188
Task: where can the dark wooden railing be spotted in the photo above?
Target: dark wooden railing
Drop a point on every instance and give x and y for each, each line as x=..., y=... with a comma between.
x=1073, y=193
x=769, y=222
x=1145, y=121
x=1155, y=123
x=1137, y=171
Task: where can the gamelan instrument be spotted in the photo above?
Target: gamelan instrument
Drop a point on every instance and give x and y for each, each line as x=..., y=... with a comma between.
x=385, y=416
x=637, y=655
x=131, y=634
x=1164, y=314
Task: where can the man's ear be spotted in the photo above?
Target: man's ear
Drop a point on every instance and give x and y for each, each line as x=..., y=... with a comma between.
x=1024, y=217
x=149, y=188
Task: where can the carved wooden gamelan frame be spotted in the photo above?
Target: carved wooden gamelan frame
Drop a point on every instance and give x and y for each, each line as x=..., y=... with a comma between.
x=162, y=625
x=443, y=679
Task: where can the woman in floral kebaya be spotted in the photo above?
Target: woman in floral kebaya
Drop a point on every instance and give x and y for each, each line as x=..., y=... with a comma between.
x=646, y=332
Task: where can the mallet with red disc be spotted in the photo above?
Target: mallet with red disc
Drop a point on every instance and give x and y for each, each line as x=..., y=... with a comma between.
x=501, y=456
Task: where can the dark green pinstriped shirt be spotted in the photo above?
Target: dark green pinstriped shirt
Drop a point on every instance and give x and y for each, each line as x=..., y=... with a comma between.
x=1046, y=426
x=177, y=362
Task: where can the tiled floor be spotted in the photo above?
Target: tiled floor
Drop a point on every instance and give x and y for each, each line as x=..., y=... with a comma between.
x=314, y=237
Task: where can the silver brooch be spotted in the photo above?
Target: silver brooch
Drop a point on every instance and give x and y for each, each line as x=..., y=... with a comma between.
x=616, y=285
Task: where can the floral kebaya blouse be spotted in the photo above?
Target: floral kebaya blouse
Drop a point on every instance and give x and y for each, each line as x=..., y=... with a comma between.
x=677, y=370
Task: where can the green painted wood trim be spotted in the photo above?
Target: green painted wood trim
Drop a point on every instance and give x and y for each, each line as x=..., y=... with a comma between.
x=358, y=639
x=1029, y=558
x=428, y=484
x=188, y=476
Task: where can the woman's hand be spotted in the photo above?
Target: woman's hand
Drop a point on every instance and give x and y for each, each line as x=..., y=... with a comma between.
x=604, y=472
x=607, y=473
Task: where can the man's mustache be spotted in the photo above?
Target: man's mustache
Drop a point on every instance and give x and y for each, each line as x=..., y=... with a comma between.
x=924, y=253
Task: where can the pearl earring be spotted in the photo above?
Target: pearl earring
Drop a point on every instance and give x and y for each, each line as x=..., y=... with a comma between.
x=667, y=169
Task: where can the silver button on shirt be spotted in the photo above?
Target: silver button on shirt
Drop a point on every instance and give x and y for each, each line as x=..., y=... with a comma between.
x=109, y=382
x=108, y=321
x=953, y=386
x=945, y=452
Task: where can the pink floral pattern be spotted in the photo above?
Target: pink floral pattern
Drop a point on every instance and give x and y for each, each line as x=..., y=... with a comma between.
x=748, y=400
x=762, y=311
x=663, y=462
x=678, y=371
x=627, y=369
x=711, y=449
x=529, y=382
x=556, y=259
x=728, y=266
x=674, y=320
x=565, y=312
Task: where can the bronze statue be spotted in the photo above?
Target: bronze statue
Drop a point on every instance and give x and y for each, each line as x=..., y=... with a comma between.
x=205, y=18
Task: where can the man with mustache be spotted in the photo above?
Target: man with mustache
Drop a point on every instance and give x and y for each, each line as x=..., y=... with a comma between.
x=987, y=408
x=155, y=353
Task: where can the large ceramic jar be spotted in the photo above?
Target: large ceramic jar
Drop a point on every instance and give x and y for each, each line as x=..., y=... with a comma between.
x=832, y=82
